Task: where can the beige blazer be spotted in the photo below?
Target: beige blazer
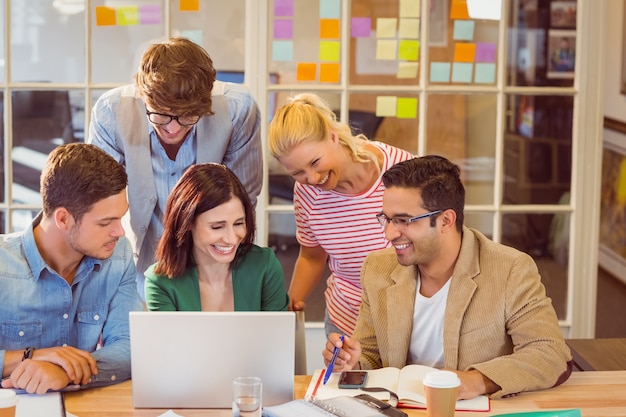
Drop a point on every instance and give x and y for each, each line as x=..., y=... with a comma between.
x=498, y=318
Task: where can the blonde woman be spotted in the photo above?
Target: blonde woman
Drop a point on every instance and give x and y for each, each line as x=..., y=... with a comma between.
x=337, y=195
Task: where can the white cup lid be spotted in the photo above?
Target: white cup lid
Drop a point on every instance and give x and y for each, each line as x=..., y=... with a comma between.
x=8, y=398
x=442, y=379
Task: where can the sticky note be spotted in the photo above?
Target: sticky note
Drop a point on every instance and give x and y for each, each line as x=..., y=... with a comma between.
x=127, y=15
x=305, y=71
x=439, y=72
x=330, y=9
x=386, y=106
x=150, y=14
x=194, y=35
x=329, y=50
x=283, y=29
x=386, y=49
x=409, y=28
x=409, y=8
x=458, y=10
x=282, y=51
x=485, y=52
x=462, y=72
x=407, y=69
x=407, y=108
x=620, y=184
x=360, y=27
x=386, y=27
x=464, y=52
x=329, y=72
x=463, y=30
x=283, y=7
x=105, y=16
x=485, y=73
x=329, y=29
x=408, y=50
x=189, y=5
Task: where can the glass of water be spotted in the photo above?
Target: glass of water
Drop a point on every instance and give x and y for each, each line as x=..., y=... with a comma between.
x=247, y=393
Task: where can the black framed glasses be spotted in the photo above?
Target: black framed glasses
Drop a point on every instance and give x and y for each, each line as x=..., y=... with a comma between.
x=164, y=119
x=402, y=223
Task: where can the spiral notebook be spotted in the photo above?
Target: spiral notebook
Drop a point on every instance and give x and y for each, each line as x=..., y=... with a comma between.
x=360, y=406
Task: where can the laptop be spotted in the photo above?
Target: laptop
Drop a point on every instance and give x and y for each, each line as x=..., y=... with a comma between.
x=189, y=359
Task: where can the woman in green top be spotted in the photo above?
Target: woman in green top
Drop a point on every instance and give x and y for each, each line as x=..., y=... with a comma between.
x=206, y=260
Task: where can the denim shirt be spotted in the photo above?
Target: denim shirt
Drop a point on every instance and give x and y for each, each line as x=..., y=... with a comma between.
x=39, y=308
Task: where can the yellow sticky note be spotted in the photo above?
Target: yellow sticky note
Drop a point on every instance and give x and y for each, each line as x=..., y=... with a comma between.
x=408, y=50
x=189, y=5
x=386, y=106
x=386, y=49
x=105, y=16
x=306, y=71
x=329, y=51
x=407, y=69
x=464, y=52
x=127, y=15
x=329, y=73
x=458, y=10
x=329, y=29
x=407, y=108
x=409, y=29
x=409, y=8
x=386, y=27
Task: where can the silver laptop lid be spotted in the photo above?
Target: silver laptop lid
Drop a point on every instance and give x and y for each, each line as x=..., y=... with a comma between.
x=189, y=359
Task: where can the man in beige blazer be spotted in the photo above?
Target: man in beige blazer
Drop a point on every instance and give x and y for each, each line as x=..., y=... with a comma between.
x=446, y=296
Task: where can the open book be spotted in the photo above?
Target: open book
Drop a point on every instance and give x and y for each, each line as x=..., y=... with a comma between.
x=405, y=382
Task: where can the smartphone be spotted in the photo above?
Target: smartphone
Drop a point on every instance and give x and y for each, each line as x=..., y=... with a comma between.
x=352, y=379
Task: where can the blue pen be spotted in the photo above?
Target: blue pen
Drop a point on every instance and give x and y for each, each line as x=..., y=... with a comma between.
x=329, y=370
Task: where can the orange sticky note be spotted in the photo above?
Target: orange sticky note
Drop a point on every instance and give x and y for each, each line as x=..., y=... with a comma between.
x=189, y=5
x=458, y=10
x=105, y=16
x=329, y=29
x=464, y=52
x=329, y=73
x=306, y=71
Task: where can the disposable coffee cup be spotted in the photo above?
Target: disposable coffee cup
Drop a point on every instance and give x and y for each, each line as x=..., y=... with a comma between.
x=441, y=388
x=8, y=402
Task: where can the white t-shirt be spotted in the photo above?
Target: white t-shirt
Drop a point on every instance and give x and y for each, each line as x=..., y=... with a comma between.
x=426, y=346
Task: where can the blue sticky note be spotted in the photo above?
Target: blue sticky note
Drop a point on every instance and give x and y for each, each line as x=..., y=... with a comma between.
x=485, y=73
x=330, y=9
x=282, y=50
x=463, y=30
x=439, y=72
x=462, y=72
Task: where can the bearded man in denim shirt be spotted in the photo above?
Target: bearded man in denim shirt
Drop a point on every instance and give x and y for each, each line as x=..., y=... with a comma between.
x=67, y=283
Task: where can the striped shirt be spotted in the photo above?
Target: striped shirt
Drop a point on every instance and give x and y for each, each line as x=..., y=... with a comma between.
x=345, y=226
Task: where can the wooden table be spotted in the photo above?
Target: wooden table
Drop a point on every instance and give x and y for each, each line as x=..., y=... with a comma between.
x=598, y=354
x=598, y=393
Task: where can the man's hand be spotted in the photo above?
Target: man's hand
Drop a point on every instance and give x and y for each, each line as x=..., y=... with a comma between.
x=78, y=364
x=473, y=384
x=37, y=377
x=348, y=357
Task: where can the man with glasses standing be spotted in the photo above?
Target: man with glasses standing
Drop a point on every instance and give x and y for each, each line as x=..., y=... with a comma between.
x=447, y=297
x=175, y=115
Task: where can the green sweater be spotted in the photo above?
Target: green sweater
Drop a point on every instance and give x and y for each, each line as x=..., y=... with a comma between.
x=258, y=285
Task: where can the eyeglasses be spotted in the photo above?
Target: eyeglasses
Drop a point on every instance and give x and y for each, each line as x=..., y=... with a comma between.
x=401, y=223
x=164, y=119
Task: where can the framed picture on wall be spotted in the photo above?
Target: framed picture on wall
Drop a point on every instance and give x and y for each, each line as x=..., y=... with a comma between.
x=563, y=14
x=561, y=57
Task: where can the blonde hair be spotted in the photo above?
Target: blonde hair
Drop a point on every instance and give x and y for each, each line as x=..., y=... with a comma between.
x=308, y=118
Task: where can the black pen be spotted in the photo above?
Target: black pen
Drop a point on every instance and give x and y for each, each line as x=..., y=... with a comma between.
x=329, y=370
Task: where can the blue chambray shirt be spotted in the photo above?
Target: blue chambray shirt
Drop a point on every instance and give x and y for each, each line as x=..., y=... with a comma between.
x=39, y=308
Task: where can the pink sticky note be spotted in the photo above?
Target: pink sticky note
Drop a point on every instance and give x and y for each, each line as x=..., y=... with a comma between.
x=150, y=14
x=283, y=29
x=283, y=7
x=360, y=27
x=485, y=52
